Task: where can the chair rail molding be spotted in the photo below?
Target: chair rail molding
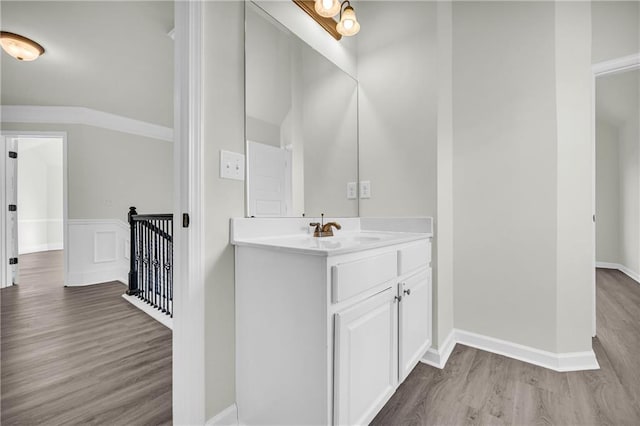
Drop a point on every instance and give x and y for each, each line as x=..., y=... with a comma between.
x=86, y=116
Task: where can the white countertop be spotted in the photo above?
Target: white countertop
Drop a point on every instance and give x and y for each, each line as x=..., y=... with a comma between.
x=340, y=243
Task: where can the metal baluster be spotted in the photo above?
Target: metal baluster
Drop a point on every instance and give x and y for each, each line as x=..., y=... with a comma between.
x=140, y=260
x=156, y=282
x=149, y=270
x=164, y=270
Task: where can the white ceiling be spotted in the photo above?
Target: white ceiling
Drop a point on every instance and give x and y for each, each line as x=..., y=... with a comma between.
x=617, y=97
x=112, y=56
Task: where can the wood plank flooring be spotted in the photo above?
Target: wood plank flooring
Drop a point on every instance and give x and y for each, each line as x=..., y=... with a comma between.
x=79, y=355
x=480, y=388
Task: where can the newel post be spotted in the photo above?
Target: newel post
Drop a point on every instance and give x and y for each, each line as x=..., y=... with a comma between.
x=133, y=265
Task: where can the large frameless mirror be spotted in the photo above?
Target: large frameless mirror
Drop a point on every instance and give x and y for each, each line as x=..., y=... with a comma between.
x=301, y=126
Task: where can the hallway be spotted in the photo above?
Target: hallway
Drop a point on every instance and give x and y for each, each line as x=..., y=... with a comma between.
x=79, y=355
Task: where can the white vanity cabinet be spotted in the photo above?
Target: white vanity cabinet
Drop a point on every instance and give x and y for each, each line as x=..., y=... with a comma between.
x=366, y=357
x=324, y=336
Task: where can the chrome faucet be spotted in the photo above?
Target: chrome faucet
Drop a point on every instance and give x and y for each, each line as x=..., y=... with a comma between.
x=324, y=229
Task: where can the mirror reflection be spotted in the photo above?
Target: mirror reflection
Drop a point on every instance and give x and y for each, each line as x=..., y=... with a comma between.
x=301, y=126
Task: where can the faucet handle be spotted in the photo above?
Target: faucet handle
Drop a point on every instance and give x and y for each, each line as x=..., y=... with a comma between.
x=318, y=230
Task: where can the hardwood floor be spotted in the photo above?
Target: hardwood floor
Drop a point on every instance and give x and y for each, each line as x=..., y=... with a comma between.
x=85, y=356
x=79, y=355
x=480, y=388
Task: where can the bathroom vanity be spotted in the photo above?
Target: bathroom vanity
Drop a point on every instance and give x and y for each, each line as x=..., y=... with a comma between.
x=327, y=328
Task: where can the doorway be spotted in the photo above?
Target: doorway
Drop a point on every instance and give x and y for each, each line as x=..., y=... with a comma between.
x=616, y=161
x=34, y=203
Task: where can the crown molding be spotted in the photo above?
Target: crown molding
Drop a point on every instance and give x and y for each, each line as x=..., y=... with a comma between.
x=617, y=65
x=86, y=116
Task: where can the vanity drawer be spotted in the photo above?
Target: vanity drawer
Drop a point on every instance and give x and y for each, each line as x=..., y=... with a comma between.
x=349, y=279
x=413, y=257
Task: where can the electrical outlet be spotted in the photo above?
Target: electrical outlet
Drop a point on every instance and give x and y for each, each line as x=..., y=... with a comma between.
x=352, y=191
x=231, y=165
x=365, y=189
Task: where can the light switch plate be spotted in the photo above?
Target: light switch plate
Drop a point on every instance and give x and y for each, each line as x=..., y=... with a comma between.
x=352, y=191
x=365, y=189
x=231, y=165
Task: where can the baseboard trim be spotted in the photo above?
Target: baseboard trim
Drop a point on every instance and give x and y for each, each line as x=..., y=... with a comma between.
x=570, y=361
x=628, y=272
x=226, y=417
x=438, y=357
x=79, y=279
x=150, y=310
x=573, y=361
x=40, y=248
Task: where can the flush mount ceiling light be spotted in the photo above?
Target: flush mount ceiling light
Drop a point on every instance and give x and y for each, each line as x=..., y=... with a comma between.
x=21, y=48
x=323, y=12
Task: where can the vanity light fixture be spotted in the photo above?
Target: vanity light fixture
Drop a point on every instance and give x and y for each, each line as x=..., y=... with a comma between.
x=327, y=8
x=324, y=11
x=348, y=25
x=21, y=48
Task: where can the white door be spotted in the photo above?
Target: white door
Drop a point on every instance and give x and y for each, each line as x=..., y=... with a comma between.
x=415, y=320
x=11, y=218
x=366, y=363
x=268, y=180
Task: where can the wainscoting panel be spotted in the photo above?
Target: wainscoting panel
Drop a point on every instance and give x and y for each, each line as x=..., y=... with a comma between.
x=98, y=251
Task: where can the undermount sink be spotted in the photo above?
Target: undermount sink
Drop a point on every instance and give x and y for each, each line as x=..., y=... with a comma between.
x=341, y=242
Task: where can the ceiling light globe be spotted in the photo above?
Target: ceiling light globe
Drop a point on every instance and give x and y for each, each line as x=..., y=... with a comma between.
x=327, y=8
x=21, y=48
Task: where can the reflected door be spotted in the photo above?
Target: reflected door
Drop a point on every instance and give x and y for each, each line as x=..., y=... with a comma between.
x=268, y=180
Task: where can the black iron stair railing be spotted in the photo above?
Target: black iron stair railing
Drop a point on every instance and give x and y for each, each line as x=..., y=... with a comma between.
x=151, y=259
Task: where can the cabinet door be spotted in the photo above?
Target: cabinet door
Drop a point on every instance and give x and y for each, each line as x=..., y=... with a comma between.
x=415, y=320
x=365, y=362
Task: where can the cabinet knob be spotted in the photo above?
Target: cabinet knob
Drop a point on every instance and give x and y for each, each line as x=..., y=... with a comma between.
x=398, y=298
x=407, y=291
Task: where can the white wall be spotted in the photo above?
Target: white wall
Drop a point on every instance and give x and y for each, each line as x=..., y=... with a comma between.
x=504, y=171
x=575, y=242
x=618, y=170
x=630, y=195
x=268, y=77
x=616, y=29
x=330, y=129
x=223, y=109
x=40, y=195
x=110, y=171
x=397, y=73
x=607, y=193
x=521, y=152
x=404, y=73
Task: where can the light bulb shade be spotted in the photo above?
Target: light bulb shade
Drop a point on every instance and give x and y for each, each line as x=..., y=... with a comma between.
x=21, y=48
x=348, y=24
x=327, y=8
